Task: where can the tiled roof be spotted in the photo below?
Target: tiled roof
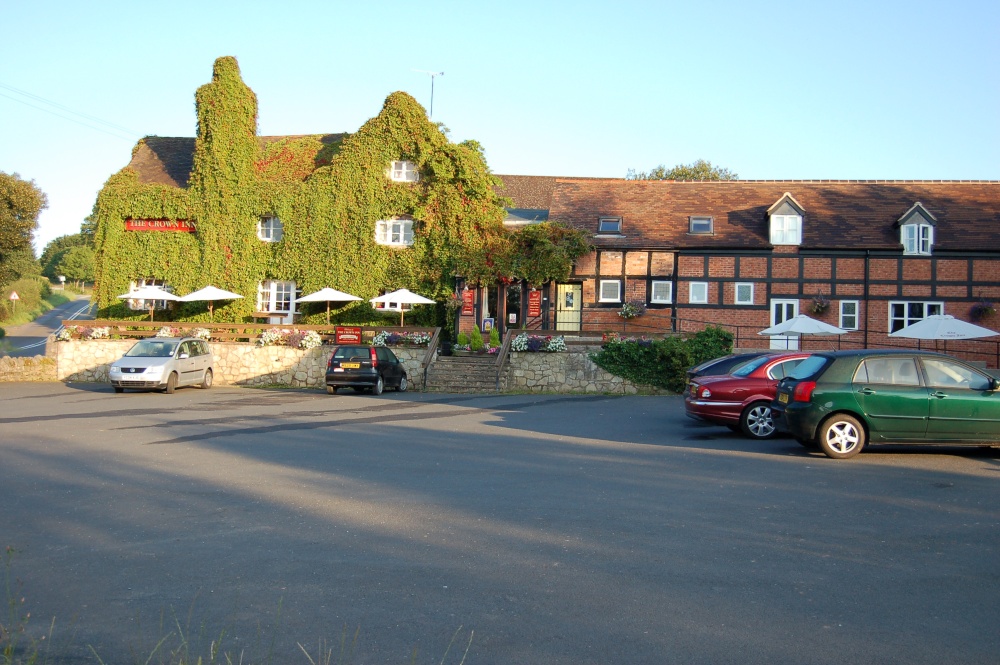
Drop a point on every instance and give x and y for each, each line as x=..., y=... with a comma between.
x=167, y=160
x=531, y=192
x=843, y=214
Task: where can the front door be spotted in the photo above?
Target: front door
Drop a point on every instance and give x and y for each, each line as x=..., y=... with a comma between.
x=781, y=311
x=569, y=306
x=890, y=393
x=962, y=406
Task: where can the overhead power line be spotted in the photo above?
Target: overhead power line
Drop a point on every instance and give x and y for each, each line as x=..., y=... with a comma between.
x=80, y=119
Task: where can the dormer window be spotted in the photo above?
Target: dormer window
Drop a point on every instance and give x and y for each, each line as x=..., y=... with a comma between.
x=609, y=225
x=916, y=230
x=786, y=221
x=394, y=232
x=701, y=225
x=269, y=229
x=402, y=171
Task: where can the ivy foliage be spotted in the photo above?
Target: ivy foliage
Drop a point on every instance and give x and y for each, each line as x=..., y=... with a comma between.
x=662, y=363
x=329, y=193
x=545, y=252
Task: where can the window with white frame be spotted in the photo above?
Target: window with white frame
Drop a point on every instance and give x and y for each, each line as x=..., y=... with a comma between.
x=849, y=314
x=403, y=171
x=609, y=225
x=917, y=238
x=395, y=232
x=701, y=225
x=905, y=313
x=786, y=229
x=698, y=293
x=661, y=293
x=743, y=293
x=276, y=297
x=142, y=282
x=611, y=290
x=269, y=229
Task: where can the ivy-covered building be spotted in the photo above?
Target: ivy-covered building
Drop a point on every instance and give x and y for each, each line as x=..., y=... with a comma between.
x=395, y=204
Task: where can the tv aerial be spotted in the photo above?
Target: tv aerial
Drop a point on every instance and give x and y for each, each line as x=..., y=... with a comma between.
x=430, y=113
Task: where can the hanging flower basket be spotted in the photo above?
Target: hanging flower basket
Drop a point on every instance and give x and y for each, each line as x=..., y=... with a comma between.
x=983, y=309
x=820, y=304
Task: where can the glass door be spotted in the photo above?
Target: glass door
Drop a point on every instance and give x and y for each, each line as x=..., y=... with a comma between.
x=569, y=306
x=781, y=311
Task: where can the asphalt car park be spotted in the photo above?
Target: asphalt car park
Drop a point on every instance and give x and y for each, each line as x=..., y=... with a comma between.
x=540, y=529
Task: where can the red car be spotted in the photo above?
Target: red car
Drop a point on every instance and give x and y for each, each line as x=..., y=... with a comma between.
x=742, y=400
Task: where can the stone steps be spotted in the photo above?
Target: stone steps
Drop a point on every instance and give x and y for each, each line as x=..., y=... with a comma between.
x=464, y=374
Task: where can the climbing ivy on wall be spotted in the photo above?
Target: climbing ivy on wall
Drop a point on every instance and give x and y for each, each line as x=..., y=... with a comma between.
x=328, y=193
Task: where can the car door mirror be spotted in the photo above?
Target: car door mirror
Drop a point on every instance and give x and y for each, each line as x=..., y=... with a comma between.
x=994, y=383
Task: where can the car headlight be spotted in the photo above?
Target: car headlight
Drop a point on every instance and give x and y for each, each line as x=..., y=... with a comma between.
x=116, y=370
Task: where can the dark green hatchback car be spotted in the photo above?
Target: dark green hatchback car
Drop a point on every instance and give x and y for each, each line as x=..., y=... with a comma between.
x=842, y=400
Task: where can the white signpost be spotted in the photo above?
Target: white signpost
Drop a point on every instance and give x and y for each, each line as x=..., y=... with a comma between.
x=13, y=300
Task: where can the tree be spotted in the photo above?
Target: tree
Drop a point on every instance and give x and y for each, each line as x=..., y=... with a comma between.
x=77, y=264
x=20, y=203
x=56, y=250
x=698, y=170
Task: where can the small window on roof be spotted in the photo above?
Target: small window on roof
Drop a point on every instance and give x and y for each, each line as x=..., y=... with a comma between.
x=609, y=225
x=701, y=225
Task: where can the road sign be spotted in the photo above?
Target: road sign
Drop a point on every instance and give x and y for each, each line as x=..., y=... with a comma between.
x=14, y=296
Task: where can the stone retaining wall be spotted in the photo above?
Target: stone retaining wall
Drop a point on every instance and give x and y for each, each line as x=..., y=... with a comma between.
x=36, y=368
x=570, y=372
x=235, y=364
x=246, y=365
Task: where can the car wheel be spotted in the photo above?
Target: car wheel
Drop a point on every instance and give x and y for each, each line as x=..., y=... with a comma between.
x=841, y=436
x=379, y=385
x=171, y=384
x=206, y=382
x=402, y=384
x=119, y=390
x=757, y=421
x=331, y=390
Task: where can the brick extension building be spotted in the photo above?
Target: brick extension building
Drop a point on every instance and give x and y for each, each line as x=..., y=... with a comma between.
x=869, y=256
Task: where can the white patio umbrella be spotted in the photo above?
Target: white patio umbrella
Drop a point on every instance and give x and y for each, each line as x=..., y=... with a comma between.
x=402, y=297
x=943, y=326
x=802, y=325
x=210, y=293
x=150, y=293
x=329, y=295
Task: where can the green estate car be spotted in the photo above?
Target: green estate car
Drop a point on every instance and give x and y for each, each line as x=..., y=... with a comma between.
x=841, y=400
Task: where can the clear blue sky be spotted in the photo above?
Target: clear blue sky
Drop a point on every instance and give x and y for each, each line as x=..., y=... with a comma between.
x=771, y=90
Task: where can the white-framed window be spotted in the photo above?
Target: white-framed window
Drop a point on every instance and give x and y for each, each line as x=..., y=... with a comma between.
x=701, y=225
x=142, y=282
x=786, y=230
x=698, y=293
x=611, y=290
x=609, y=225
x=849, y=314
x=403, y=171
x=903, y=313
x=743, y=293
x=276, y=297
x=917, y=238
x=396, y=232
x=270, y=229
x=661, y=293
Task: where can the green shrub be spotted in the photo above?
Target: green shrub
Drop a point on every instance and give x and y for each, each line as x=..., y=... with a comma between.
x=3, y=333
x=30, y=292
x=662, y=363
x=476, y=340
x=494, y=337
x=462, y=339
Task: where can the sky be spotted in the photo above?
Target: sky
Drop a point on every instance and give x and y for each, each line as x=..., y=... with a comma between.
x=771, y=90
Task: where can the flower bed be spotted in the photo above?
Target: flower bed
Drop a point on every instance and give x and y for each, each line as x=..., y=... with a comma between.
x=386, y=338
x=536, y=343
x=296, y=339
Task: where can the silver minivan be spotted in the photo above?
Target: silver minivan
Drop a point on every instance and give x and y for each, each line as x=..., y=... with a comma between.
x=164, y=363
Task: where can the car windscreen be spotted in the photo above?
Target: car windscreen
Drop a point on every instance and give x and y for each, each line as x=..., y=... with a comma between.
x=343, y=352
x=149, y=348
x=746, y=368
x=809, y=367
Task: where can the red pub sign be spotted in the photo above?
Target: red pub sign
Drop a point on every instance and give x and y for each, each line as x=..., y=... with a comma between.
x=348, y=335
x=182, y=225
x=534, y=303
x=468, y=303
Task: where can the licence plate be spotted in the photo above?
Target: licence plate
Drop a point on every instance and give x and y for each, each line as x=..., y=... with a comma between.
x=783, y=398
x=351, y=365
